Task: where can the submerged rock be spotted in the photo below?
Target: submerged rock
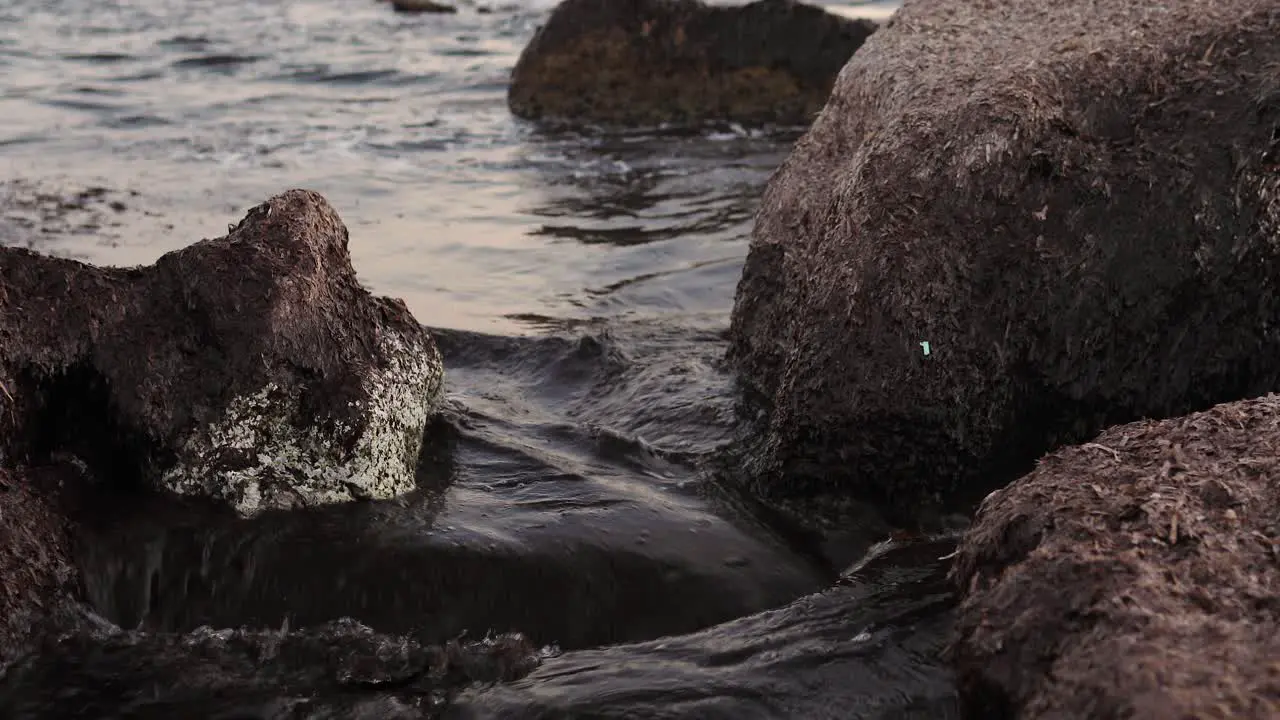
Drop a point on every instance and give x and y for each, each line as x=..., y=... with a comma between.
x=1134, y=576
x=252, y=368
x=339, y=670
x=658, y=61
x=1014, y=224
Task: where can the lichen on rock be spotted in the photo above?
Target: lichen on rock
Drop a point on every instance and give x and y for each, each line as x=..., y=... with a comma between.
x=281, y=465
x=252, y=368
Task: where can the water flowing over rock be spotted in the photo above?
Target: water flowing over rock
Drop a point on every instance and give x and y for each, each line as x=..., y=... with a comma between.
x=844, y=653
x=1133, y=576
x=339, y=670
x=658, y=61
x=1014, y=224
x=251, y=368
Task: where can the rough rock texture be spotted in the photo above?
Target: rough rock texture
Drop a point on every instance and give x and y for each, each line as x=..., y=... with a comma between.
x=1136, y=576
x=36, y=571
x=1076, y=204
x=252, y=368
x=339, y=670
x=681, y=61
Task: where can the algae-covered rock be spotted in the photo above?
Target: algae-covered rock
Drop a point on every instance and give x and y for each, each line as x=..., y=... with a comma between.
x=1135, y=576
x=682, y=61
x=252, y=368
x=1015, y=223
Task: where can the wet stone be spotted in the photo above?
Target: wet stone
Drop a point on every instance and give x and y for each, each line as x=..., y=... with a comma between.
x=647, y=62
x=251, y=368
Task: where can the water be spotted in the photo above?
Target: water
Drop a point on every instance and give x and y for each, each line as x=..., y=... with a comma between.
x=585, y=280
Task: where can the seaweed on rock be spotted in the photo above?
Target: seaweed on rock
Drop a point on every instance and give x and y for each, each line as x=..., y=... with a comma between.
x=1071, y=202
x=1133, y=576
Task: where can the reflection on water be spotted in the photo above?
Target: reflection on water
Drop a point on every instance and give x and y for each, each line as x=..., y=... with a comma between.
x=205, y=107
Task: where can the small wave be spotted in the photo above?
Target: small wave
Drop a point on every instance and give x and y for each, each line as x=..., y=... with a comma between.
x=130, y=122
x=101, y=57
x=325, y=76
x=186, y=42
x=218, y=60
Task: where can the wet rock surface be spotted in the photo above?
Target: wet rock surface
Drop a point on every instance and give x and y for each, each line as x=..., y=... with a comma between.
x=1072, y=204
x=1134, y=576
x=680, y=61
x=339, y=670
x=251, y=368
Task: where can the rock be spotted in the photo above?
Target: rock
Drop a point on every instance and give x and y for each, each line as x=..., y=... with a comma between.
x=422, y=6
x=339, y=670
x=36, y=571
x=1070, y=202
x=1134, y=576
x=252, y=368
x=681, y=61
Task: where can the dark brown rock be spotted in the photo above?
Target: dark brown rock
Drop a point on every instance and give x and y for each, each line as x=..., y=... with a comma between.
x=252, y=368
x=681, y=61
x=1136, y=576
x=1071, y=202
x=336, y=670
x=36, y=571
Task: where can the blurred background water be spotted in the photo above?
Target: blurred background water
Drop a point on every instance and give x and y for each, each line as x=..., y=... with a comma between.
x=479, y=220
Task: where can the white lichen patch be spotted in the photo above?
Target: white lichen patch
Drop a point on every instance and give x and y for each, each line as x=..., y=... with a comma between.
x=259, y=456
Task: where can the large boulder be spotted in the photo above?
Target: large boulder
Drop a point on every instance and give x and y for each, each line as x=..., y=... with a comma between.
x=682, y=61
x=252, y=368
x=1135, y=576
x=1076, y=205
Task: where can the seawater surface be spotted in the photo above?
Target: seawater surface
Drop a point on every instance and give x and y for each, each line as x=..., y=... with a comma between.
x=579, y=283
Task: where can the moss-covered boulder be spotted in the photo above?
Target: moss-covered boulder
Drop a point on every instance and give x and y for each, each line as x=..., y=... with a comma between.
x=1135, y=576
x=1014, y=224
x=251, y=368
x=681, y=61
